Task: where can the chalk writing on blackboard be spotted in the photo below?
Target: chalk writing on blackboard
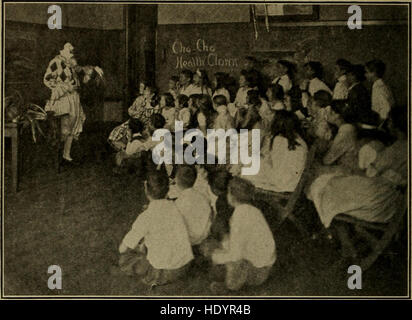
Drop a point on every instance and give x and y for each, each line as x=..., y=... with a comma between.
x=200, y=54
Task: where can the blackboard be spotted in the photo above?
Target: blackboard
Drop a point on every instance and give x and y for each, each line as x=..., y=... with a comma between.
x=213, y=47
x=324, y=43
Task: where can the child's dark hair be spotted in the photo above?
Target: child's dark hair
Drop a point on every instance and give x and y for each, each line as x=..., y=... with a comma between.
x=286, y=124
x=157, y=121
x=358, y=71
x=187, y=73
x=195, y=99
x=155, y=100
x=206, y=107
x=203, y=75
x=343, y=64
x=316, y=67
x=291, y=68
x=342, y=108
x=376, y=66
x=253, y=97
x=174, y=78
x=186, y=176
x=152, y=88
x=218, y=181
x=241, y=190
x=221, y=80
x=170, y=101
x=250, y=77
x=220, y=100
x=323, y=98
x=135, y=125
x=157, y=184
x=183, y=100
x=277, y=91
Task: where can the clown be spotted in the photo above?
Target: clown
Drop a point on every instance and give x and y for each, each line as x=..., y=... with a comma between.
x=62, y=79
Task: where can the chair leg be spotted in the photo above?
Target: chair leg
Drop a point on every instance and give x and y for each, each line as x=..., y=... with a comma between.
x=348, y=249
x=380, y=246
x=302, y=230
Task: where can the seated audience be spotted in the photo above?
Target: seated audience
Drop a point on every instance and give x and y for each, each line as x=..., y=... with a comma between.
x=374, y=195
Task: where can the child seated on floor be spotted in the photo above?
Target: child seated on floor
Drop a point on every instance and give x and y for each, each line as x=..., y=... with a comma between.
x=223, y=119
x=135, y=145
x=167, y=105
x=193, y=205
x=249, y=251
x=157, y=248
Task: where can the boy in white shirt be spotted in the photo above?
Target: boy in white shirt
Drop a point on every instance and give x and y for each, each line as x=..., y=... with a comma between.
x=157, y=248
x=193, y=205
x=313, y=83
x=249, y=252
x=382, y=98
x=340, y=92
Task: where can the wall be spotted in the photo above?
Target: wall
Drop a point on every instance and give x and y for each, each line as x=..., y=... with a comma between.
x=325, y=40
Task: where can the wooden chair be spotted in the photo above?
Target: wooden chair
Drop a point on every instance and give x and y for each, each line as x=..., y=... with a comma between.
x=284, y=203
x=376, y=236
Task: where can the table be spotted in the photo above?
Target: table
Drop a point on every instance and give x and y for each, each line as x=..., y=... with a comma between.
x=12, y=130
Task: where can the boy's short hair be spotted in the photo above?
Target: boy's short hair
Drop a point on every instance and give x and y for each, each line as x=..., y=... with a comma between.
x=241, y=189
x=157, y=185
x=254, y=98
x=218, y=181
x=187, y=73
x=220, y=100
x=174, y=78
x=157, y=121
x=183, y=100
x=170, y=101
x=343, y=64
x=377, y=66
x=135, y=125
x=358, y=71
x=186, y=176
x=316, y=67
x=323, y=98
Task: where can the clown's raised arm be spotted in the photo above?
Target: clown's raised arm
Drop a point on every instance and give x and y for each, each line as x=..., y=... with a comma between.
x=62, y=74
